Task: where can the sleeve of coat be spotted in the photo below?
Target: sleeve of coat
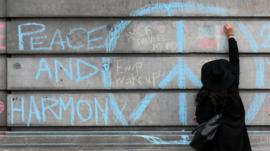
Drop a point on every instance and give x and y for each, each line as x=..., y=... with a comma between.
x=234, y=60
x=204, y=111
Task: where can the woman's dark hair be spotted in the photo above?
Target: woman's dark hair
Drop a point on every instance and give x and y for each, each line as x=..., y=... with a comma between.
x=216, y=98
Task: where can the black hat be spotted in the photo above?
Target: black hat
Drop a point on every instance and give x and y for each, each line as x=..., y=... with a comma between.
x=216, y=75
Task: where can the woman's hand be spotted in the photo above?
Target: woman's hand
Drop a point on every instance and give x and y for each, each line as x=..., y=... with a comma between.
x=228, y=29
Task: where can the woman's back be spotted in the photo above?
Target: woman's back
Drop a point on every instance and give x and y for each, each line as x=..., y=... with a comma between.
x=209, y=103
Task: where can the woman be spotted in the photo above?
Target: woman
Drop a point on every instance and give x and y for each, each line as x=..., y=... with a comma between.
x=220, y=80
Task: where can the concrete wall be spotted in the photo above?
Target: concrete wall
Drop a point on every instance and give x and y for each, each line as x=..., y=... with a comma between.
x=119, y=109
x=3, y=65
x=123, y=73
x=136, y=36
x=2, y=8
x=136, y=8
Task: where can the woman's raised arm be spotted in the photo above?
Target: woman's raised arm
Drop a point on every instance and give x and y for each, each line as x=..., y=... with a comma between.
x=233, y=53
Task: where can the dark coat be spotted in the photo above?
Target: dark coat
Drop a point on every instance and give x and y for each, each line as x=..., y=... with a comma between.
x=232, y=134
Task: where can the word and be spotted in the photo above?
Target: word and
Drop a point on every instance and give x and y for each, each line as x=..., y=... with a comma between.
x=69, y=69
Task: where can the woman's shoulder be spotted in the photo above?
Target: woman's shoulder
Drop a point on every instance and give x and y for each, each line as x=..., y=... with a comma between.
x=203, y=97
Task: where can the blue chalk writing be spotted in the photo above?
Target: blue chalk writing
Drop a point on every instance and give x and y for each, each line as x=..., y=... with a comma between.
x=255, y=107
x=43, y=67
x=114, y=34
x=106, y=73
x=181, y=70
x=255, y=48
x=65, y=106
x=79, y=44
x=36, y=43
x=33, y=110
x=259, y=99
x=249, y=37
x=170, y=7
x=81, y=77
x=72, y=108
x=183, y=140
x=49, y=107
x=117, y=111
x=180, y=28
x=141, y=107
x=17, y=109
x=89, y=109
x=45, y=43
x=68, y=72
x=183, y=108
x=265, y=34
x=22, y=34
x=260, y=73
x=104, y=111
x=57, y=39
x=91, y=40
